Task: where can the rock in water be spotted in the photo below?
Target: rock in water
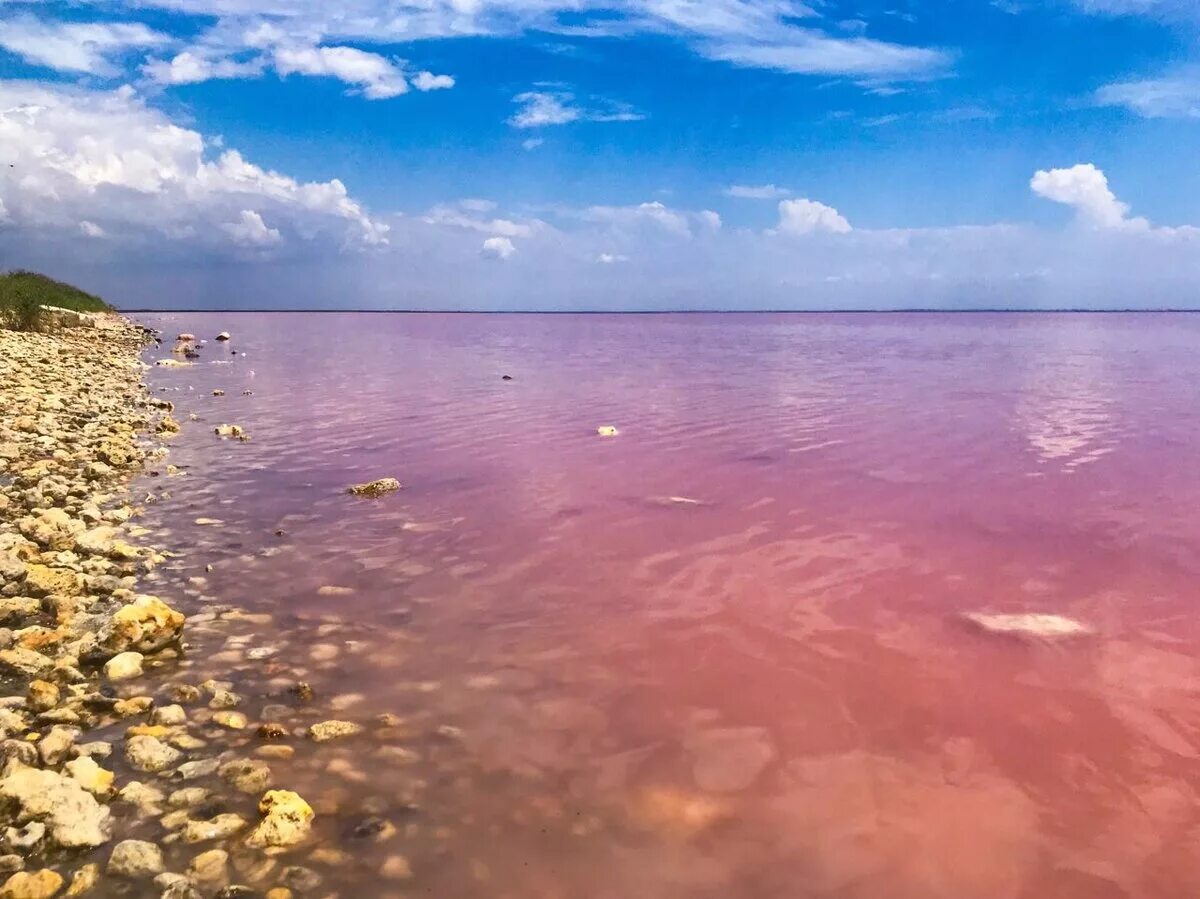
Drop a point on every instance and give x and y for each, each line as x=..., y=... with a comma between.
x=148, y=753
x=123, y=666
x=145, y=625
x=71, y=813
x=228, y=430
x=32, y=885
x=1029, y=624
x=374, y=488
x=607, y=431
x=287, y=819
x=325, y=731
x=135, y=859
x=224, y=335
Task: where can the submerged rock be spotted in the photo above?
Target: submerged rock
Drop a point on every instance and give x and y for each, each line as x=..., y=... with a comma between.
x=325, y=731
x=287, y=819
x=148, y=753
x=377, y=487
x=1029, y=624
x=135, y=859
x=32, y=885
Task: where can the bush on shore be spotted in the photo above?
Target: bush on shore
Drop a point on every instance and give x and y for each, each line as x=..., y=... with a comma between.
x=22, y=294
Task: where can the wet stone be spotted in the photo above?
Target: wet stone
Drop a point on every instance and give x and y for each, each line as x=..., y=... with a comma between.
x=135, y=859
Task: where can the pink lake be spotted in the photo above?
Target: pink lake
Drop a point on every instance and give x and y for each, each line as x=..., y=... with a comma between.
x=603, y=691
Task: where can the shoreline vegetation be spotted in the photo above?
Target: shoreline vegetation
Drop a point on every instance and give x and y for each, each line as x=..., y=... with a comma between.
x=117, y=778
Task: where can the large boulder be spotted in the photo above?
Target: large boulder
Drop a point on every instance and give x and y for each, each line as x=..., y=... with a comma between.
x=72, y=814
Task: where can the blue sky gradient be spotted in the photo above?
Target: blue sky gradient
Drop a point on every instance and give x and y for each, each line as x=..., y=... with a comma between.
x=636, y=154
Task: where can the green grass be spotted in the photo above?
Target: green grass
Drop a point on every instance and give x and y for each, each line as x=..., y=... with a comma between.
x=23, y=293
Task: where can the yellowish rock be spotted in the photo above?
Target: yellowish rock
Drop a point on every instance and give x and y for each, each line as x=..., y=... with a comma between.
x=32, y=885
x=287, y=819
x=607, y=431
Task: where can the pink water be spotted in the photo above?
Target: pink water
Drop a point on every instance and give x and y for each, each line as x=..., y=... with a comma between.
x=769, y=692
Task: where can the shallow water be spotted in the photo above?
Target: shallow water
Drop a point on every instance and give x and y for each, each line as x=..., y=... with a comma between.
x=768, y=692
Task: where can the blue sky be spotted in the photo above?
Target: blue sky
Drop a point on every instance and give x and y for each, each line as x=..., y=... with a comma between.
x=621, y=154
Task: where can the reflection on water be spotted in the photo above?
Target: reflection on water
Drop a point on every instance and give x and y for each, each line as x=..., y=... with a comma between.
x=722, y=654
x=1064, y=407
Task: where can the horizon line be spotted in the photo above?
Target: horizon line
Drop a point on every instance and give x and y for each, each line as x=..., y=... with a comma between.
x=902, y=311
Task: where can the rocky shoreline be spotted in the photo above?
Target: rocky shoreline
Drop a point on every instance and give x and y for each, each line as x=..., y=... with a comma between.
x=107, y=760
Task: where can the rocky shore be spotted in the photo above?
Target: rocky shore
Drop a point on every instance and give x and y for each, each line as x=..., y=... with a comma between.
x=109, y=766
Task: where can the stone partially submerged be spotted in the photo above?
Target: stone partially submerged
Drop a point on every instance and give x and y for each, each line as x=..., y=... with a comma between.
x=287, y=819
x=1037, y=625
x=146, y=625
x=71, y=814
x=377, y=487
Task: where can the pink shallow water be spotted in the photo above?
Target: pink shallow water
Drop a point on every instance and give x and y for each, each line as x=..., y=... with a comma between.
x=766, y=693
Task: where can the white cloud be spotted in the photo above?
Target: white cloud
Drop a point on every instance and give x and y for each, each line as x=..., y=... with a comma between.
x=193, y=67
x=611, y=258
x=661, y=217
x=539, y=108
x=91, y=229
x=379, y=78
x=756, y=192
x=812, y=53
x=497, y=248
x=753, y=33
x=470, y=215
x=801, y=216
x=106, y=154
x=1085, y=189
x=250, y=230
x=532, y=143
x=542, y=108
x=427, y=81
x=75, y=46
x=1176, y=96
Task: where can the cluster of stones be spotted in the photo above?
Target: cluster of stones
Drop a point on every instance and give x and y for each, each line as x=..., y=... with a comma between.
x=76, y=634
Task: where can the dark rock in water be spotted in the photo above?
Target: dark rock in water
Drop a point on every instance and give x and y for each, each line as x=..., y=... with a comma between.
x=506, y=378
x=302, y=691
x=238, y=891
x=272, y=731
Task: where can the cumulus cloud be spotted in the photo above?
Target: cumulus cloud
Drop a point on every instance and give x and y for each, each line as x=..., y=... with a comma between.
x=801, y=216
x=250, y=230
x=91, y=229
x=1085, y=189
x=108, y=159
x=497, y=248
x=88, y=47
x=540, y=109
x=427, y=81
x=756, y=192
